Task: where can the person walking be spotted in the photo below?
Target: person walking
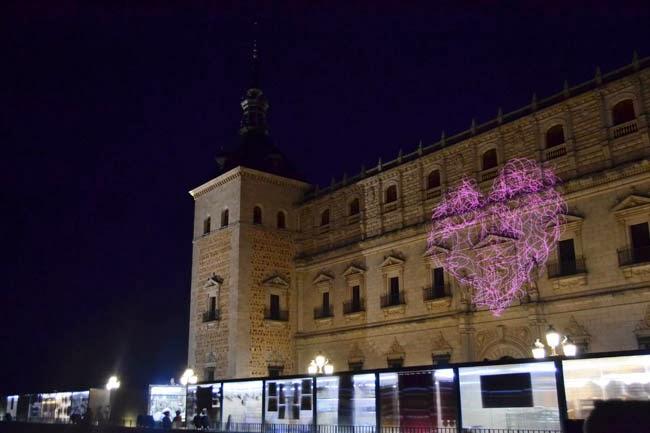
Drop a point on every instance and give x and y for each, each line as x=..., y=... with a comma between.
x=177, y=422
x=166, y=421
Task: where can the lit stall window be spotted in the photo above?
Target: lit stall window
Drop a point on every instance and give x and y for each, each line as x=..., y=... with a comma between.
x=242, y=404
x=418, y=399
x=289, y=401
x=166, y=397
x=204, y=396
x=620, y=377
x=515, y=396
x=346, y=400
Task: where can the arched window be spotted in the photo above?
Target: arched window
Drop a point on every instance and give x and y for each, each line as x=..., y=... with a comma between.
x=325, y=217
x=623, y=112
x=433, y=179
x=206, y=226
x=554, y=136
x=224, y=218
x=282, y=220
x=354, y=207
x=489, y=159
x=391, y=194
x=257, y=215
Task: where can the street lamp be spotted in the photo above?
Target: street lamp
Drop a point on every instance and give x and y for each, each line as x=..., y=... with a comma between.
x=113, y=383
x=568, y=347
x=553, y=339
x=320, y=365
x=538, y=350
x=188, y=378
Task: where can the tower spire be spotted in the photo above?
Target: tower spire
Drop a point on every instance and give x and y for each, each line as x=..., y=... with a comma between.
x=255, y=60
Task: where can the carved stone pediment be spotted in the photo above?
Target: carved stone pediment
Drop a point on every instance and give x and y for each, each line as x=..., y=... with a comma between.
x=514, y=339
x=492, y=239
x=353, y=270
x=572, y=222
x=578, y=333
x=396, y=351
x=440, y=346
x=356, y=354
x=435, y=250
x=390, y=261
x=276, y=282
x=642, y=329
x=214, y=280
x=323, y=278
x=632, y=205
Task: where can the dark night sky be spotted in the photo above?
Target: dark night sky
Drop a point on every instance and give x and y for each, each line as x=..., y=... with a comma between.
x=110, y=114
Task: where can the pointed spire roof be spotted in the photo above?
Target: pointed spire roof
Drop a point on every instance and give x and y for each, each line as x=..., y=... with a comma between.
x=255, y=149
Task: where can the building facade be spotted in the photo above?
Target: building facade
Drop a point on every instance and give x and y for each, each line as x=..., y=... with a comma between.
x=282, y=270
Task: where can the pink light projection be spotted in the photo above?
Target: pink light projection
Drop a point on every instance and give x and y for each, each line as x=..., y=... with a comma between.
x=493, y=243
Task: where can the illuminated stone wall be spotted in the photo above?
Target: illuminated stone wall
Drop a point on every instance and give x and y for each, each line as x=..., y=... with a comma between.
x=606, y=183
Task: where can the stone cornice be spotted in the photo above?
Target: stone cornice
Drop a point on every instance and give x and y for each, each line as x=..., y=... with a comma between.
x=250, y=173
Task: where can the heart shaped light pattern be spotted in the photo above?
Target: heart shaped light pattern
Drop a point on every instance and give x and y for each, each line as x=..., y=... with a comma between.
x=493, y=243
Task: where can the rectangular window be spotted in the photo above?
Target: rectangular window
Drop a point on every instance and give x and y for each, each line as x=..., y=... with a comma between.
x=326, y=302
x=242, y=402
x=346, y=400
x=213, y=304
x=567, y=255
x=209, y=374
x=356, y=298
x=589, y=380
x=275, y=307
x=510, y=397
x=640, y=236
x=394, y=290
x=206, y=226
x=418, y=400
x=438, y=282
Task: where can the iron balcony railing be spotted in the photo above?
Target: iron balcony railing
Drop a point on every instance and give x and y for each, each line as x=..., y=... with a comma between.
x=393, y=299
x=323, y=312
x=633, y=255
x=277, y=315
x=211, y=316
x=351, y=307
x=624, y=129
x=566, y=267
x=435, y=292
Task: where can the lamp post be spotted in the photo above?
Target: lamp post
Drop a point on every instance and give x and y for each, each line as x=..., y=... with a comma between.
x=320, y=365
x=553, y=339
x=188, y=378
x=113, y=383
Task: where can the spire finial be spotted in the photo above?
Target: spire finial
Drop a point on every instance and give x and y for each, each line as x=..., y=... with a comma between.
x=500, y=115
x=566, y=88
x=442, y=137
x=255, y=59
x=533, y=102
x=635, y=60
x=420, y=147
x=400, y=154
x=379, y=164
x=598, y=76
x=472, y=128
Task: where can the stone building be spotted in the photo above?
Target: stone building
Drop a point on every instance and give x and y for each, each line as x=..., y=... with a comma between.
x=283, y=270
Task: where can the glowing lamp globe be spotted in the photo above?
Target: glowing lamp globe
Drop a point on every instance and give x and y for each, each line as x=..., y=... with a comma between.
x=312, y=369
x=552, y=337
x=112, y=383
x=569, y=348
x=538, y=350
x=328, y=369
x=320, y=361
